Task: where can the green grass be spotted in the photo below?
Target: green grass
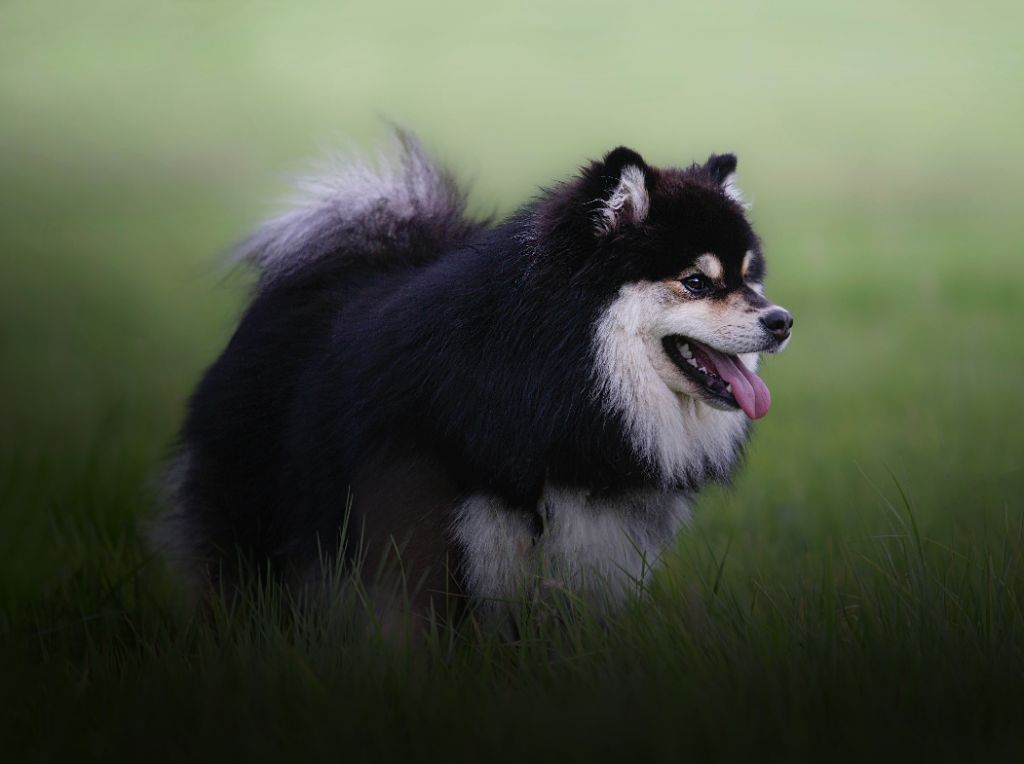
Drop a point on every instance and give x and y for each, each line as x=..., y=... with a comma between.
x=857, y=592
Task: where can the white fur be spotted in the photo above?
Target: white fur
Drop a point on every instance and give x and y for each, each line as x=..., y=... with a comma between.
x=629, y=201
x=593, y=541
x=747, y=260
x=600, y=548
x=496, y=542
x=677, y=434
x=730, y=189
x=174, y=533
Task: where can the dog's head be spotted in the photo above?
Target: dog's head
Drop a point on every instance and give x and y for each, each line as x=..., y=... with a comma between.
x=687, y=272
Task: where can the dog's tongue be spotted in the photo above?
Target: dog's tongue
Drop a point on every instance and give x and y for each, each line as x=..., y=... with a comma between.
x=747, y=388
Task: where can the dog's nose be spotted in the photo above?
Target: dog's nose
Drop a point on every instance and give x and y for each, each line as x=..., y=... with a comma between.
x=778, y=322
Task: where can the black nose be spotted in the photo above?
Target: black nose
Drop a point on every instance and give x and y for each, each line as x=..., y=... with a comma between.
x=778, y=322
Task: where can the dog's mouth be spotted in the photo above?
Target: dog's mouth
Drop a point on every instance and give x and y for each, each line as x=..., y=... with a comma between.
x=723, y=379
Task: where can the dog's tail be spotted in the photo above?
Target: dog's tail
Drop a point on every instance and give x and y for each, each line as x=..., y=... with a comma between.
x=400, y=210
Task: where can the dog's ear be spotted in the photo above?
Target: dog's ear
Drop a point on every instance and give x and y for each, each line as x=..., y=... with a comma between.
x=621, y=181
x=722, y=169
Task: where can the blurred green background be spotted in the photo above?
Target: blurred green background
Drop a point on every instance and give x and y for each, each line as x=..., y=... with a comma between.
x=881, y=143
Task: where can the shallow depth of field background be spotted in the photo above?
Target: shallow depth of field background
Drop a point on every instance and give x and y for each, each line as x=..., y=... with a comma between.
x=883, y=147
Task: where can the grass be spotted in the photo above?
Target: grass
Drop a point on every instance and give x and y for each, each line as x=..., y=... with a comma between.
x=856, y=592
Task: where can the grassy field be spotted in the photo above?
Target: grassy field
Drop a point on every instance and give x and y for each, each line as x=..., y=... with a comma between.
x=858, y=591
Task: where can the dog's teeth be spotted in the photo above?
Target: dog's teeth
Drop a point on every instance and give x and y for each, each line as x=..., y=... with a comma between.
x=692, y=362
x=687, y=353
x=728, y=389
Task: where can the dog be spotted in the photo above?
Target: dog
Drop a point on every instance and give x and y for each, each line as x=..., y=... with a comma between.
x=499, y=406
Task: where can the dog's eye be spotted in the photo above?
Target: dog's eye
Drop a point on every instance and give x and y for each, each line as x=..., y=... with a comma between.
x=697, y=284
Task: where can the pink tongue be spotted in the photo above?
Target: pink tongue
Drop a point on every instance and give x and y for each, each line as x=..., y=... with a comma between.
x=747, y=388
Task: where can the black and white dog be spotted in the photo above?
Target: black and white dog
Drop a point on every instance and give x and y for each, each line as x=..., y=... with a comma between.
x=503, y=405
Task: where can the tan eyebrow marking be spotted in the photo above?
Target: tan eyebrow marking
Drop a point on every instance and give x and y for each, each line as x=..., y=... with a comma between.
x=711, y=266
x=747, y=258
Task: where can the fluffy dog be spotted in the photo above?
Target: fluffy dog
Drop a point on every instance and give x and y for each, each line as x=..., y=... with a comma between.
x=497, y=404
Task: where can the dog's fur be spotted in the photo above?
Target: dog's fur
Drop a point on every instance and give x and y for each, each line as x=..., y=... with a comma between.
x=498, y=401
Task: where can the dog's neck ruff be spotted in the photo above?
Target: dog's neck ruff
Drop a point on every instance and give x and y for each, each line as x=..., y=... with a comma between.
x=680, y=440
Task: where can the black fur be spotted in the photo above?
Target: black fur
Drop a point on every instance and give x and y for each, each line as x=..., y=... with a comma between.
x=463, y=349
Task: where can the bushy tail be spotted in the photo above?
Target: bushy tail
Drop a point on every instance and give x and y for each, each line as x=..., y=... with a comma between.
x=402, y=208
